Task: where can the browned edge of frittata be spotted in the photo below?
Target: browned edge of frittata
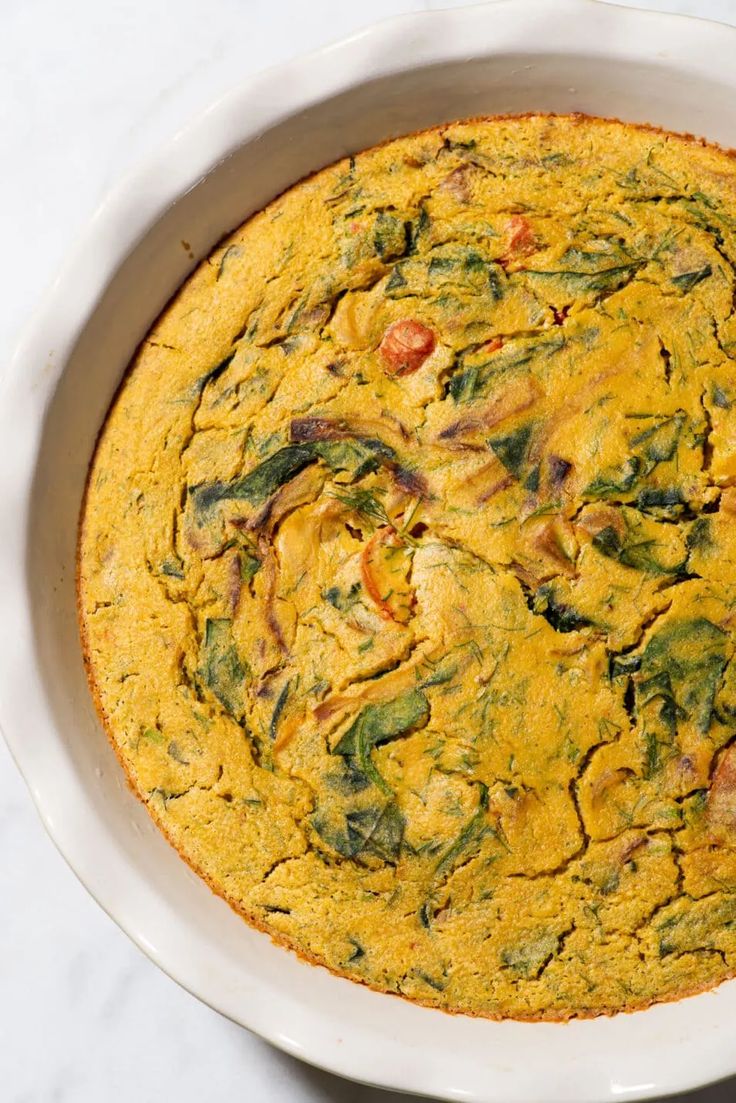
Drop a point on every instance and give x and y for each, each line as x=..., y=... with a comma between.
x=279, y=939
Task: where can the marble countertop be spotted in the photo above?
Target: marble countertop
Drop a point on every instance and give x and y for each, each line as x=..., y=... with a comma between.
x=86, y=90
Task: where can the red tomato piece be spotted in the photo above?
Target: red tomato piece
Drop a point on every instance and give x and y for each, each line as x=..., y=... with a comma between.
x=405, y=346
x=520, y=239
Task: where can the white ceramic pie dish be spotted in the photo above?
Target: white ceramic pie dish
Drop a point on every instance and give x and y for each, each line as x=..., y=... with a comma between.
x=514, y=55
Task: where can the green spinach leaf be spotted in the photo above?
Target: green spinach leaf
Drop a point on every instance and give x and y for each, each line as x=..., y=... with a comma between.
x=221, y=668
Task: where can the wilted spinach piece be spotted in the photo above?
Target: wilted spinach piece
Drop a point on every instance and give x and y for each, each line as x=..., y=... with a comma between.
x=357, y=953
x=660, y=440
x=378, y=724
x=439, y=984
x=443, y=672
x=471, y=834
x=615, y=480
x=561, y=616
x=660, y=722
x=382, y=833
x=396, y=281
x=173, y=567
x=621, y=666
x=529, y=957
x=584, y=270
x=390, y=235
x=347, y=779
x=493, y=273
x=463, y=384
x=259, y=484
x=608, y=542
x=512, y=449
x=531, y=482
x=375, y=830
x=661, y=501
x=720, y=398
x=696, y=927
x=654, y=445
x=358, y=455
x=342, y=452
x=699, y=536
x=638, y=554
x=214, y=373
x=682, y=664
x=466, y=268
x=220, y=668
x=174, y=751
x=250, y=564
x=607, y=279
x=416, y=229
x=439, y=266
x=278, y=709
x=335, y=441
x=687, y=281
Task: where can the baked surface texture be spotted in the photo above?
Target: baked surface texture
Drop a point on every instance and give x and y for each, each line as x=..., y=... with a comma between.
x=407, y=572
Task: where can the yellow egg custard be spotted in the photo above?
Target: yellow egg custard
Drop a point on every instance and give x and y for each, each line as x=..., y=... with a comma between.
x=407, y=572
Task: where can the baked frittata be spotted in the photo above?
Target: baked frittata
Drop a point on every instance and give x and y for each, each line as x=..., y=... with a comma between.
x=407, y=571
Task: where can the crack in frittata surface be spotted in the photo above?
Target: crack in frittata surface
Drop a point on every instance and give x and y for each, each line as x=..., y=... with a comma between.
x=408, y=568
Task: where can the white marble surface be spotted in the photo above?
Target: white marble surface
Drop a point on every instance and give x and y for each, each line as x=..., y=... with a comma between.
x=86, y=89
